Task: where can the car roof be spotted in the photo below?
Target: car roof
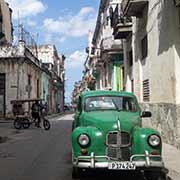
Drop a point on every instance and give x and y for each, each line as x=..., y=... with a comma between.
x=106, y=93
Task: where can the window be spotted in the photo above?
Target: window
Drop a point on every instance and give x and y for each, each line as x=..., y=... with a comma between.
x=179, y=18
x=146, y=94
x=144, y=47
x=130, y=58
x=38, y=92
x=132, y=86
x=29, y=86
x=79, y=108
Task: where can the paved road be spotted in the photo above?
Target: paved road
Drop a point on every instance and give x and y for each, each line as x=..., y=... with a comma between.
x=35, y=154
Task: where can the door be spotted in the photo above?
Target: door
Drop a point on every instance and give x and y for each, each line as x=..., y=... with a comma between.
x=2, y=95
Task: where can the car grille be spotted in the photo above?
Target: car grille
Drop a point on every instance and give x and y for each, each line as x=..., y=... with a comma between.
x=118, y=145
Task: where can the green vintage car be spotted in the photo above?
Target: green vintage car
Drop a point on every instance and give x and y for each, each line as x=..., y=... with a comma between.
x=107, y=135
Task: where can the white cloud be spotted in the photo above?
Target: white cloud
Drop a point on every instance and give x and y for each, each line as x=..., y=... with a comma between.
x=73, y=26
x=75, y=60
x=31, y=22
x=26, y=8
x=62, y=39
x=48, y=38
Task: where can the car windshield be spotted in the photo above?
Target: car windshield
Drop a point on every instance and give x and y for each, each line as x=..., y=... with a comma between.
x=118, y=103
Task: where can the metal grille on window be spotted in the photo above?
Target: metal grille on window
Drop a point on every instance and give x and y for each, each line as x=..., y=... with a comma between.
x=146, y=92
x=118, y=145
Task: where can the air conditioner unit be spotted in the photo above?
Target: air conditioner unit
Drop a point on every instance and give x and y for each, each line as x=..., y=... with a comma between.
x=177, y=3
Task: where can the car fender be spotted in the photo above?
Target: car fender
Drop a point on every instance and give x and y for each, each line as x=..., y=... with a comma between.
x=96, y=140
x=140, y=141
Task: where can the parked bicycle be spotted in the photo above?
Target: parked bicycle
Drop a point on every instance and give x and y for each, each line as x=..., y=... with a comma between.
x=24, y=119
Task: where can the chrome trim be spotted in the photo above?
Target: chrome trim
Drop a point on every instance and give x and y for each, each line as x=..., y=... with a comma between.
x=91, y=163
x=105, y=165
x=119, y=125
x=147, y=158
x=92, y=160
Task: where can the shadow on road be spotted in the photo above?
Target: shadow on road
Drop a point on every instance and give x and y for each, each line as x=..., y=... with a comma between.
x=113, y=175
x=129, y=176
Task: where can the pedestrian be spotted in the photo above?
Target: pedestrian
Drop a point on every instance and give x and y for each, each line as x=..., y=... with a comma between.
x=35, y=112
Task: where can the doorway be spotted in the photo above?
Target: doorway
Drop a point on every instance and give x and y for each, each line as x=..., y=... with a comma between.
x=2, y=95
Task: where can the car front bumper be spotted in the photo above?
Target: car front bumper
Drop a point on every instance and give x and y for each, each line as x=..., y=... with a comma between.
x=93, y=163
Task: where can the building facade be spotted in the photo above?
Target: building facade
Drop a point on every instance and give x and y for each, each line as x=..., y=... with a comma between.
x=54, y=63
x=105, y=58
x=6, y=29
x=20, y=76
x=151, y=42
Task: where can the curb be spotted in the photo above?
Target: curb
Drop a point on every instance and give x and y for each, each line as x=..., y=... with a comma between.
x=55, y=115
x=3, y=121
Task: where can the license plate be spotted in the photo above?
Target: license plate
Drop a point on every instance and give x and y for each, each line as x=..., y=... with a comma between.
x=122, y=166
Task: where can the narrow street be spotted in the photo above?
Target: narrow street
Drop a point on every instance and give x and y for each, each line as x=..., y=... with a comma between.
x=35, y=154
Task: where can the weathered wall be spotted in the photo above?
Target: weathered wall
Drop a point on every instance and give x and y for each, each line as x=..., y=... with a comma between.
x=45, y=86
x=160, y=22
x=166, y=119
x=10, y=70
x=6, y=23
x=14, y=89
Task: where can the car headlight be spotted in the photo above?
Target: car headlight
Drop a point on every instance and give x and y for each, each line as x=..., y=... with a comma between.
x=83, y=140
x=154, y=140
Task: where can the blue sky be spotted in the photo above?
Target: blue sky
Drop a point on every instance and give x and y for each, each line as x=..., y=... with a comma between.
x=64, y=23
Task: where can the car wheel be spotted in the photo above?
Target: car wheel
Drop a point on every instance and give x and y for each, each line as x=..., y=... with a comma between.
x=156, y=176
x=75, y=173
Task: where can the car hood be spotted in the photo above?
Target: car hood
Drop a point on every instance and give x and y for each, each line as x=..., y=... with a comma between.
x=108, y=120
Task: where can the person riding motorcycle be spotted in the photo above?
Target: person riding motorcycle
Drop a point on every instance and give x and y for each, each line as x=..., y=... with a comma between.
x=35, y=112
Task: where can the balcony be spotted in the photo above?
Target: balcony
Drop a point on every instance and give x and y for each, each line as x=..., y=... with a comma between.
x=177, y=3
x=133, y=7
x=111, y=46
x=122, y=25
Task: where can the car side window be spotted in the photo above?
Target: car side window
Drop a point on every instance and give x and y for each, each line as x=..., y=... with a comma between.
x=79, y=107
x=129, y=104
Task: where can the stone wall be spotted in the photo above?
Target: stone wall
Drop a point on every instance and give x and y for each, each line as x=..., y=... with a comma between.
x=166, y=119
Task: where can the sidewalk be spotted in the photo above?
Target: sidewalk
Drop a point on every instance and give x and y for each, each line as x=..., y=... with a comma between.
x=171, y=157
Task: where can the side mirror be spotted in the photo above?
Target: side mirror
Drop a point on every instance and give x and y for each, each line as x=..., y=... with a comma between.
x=146, y=114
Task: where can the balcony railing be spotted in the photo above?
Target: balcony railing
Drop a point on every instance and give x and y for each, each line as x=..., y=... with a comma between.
x=133, y=7
x=110, y=45
x=122, y=25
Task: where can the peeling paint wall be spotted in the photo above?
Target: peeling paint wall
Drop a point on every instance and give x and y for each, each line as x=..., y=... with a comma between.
x=6, y=25
x=160, y=22
x=11, y=70
x=166, y=119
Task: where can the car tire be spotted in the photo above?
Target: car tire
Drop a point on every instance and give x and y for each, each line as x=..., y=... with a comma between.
x=17, y=124
x=75, y=173
x=156, y=176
